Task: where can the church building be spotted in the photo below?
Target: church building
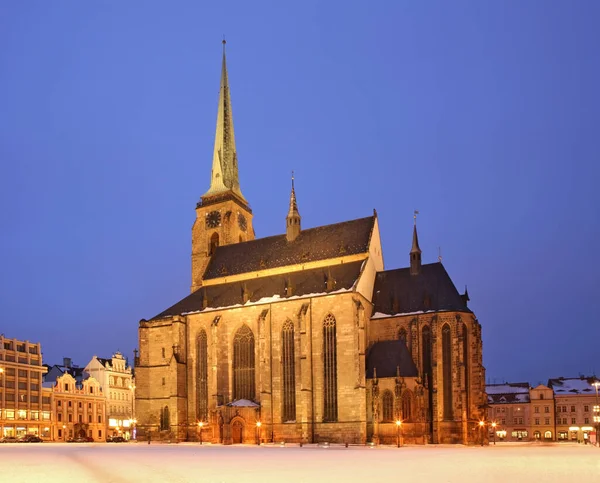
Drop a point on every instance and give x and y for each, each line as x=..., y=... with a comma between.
x=305, y=337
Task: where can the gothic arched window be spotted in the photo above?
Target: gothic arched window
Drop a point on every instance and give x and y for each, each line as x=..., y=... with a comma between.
x=202, y=375
x=165, y=423
x=467, y=365
x=243, y=364
x=289, y=376
x=447, y=370
x=402, y=335
x=406, y=406
x=214, y=243
x=330, y=409
x=387, y=404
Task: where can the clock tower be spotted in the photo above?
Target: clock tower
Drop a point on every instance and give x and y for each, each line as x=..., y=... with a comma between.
x=223, y=216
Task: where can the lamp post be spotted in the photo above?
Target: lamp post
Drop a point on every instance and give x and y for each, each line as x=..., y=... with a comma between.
x=65, y=432
x=398, y=429
x=597, y=412
x=258, y=425
x=481, y=425
x=200, y=426
x=494, y=429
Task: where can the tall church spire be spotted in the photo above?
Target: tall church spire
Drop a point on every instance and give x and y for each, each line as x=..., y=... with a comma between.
x=224, y=176
x=415, y=252
x=293, y=218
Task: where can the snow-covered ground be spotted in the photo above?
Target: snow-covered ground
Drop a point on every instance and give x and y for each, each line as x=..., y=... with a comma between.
x=137, y=462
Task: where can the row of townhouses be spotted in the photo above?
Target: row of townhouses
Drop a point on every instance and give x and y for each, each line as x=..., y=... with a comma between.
x=64, y=402
x=565, y=409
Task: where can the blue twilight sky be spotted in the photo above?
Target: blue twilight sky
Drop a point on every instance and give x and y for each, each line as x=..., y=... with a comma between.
x=482, y=115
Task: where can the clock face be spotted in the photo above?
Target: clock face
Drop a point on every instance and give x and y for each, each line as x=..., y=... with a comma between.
x=213, y=219
x=242, y=222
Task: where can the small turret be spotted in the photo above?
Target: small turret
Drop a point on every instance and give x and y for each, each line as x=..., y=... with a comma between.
x=293, y=218
x=415, y=252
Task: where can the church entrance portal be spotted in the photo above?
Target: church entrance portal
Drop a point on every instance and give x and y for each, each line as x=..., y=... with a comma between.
x=237, y=432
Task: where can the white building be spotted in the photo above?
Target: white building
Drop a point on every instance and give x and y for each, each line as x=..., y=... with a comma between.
x=116, y=380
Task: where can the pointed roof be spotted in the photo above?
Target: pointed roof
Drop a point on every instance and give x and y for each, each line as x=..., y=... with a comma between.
x=293, y=211
x=224, y=176
x=415, y=242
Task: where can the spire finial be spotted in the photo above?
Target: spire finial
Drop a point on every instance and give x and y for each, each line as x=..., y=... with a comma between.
x=416, y=212
x=440, y=254
x=292, y=180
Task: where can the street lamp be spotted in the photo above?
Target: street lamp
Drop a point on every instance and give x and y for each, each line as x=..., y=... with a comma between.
x=398, y=429
x=494, y=428
x=200, y=426
x=65, y=432
x=258, y=425
x=481, y=425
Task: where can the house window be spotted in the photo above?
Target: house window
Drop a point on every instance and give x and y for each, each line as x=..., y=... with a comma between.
x=573, y=421
x=546, y=409
x=70, y=418
x=70, y=403
x=59, y=417
x=164, y=381
x=447, y=370
x=202, y=375
x=387, y=403
x=586, y=409
x=59, y=403
x=586, y=421
x=520, y=420
x=537, y=421
x=548, y=435
x=536, y=409
x=546, y=420
x=572, y=409
x=329, y=369
x=289, y=376
x=243, y=364
x=541, y=396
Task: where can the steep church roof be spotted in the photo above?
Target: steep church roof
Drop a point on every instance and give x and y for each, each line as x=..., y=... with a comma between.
x=335, y=278
x=320, y=243
x=388, y=355
x=224, y=176
x=399, y=292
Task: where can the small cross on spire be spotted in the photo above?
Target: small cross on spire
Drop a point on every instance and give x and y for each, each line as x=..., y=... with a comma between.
x=415, y=216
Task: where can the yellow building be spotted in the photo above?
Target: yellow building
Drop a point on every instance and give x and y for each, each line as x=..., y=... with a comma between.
x=542, y=413
x=575, y=400
x=305, y=336
x=24, y=409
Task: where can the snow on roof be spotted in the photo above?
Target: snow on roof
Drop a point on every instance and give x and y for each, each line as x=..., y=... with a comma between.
x=508, y=388
x=574, y=385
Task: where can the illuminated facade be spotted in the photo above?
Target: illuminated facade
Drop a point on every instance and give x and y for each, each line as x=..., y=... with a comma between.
x=575, y=399
x=305, y=336
x=78, y=409
x=24, y=407
x=509, y=407
x=116, y=380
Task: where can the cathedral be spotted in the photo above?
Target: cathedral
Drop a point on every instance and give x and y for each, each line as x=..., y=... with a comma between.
x=304, y=337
